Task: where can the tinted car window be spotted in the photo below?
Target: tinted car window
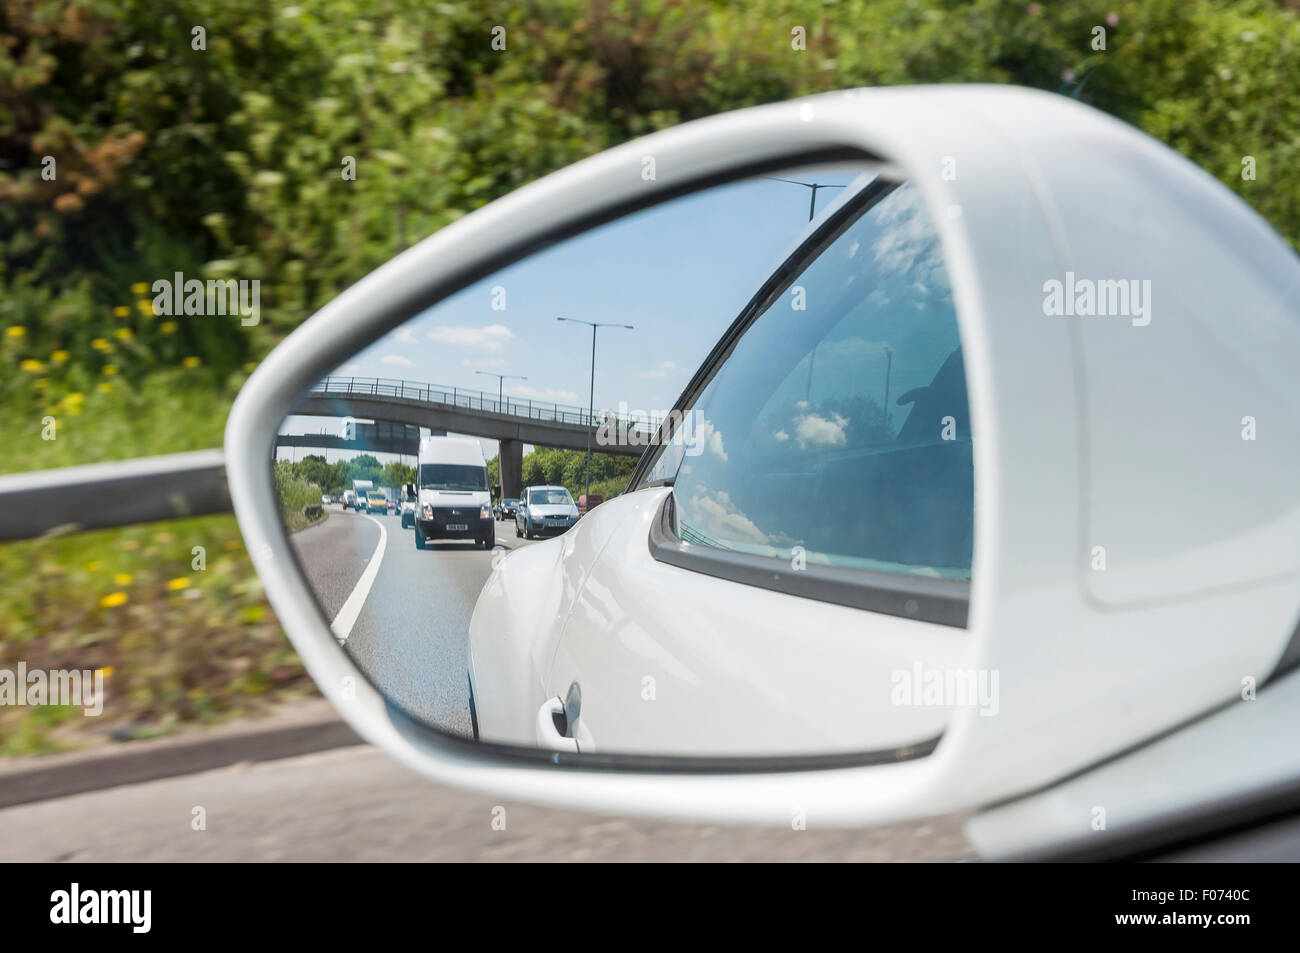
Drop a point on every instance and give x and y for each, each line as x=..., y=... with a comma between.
x=838, y=430
x=549, y=498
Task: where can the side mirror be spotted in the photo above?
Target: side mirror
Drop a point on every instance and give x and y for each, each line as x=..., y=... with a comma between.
x=716, y=646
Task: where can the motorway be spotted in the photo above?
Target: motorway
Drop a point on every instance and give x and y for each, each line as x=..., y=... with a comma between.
x=402, y=614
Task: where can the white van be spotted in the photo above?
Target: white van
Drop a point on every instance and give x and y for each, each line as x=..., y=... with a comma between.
x=452, y=489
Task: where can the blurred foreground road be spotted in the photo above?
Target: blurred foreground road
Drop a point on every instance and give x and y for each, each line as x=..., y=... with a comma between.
x=357, y=804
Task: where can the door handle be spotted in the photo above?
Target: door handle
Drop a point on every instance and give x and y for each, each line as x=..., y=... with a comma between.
x=549, y=735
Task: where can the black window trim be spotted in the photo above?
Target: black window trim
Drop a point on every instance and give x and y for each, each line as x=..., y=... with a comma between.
x=926, y=599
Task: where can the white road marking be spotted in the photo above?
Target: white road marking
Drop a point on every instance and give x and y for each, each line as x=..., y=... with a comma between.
x=347, y=617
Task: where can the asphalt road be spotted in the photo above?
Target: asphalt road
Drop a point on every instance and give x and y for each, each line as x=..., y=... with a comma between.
x=409, y=634
x=356, y=804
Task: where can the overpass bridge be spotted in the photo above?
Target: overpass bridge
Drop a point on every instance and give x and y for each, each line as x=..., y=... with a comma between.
x=382, y=437
x=510, y=421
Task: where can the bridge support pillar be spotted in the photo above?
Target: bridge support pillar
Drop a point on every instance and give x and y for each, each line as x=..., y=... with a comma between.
x=510, y=467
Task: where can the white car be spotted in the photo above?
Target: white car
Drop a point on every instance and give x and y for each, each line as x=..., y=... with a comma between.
x=726, y=606
x=545, y=511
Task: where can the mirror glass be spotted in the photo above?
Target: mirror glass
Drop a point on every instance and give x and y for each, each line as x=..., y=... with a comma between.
x=789, y=568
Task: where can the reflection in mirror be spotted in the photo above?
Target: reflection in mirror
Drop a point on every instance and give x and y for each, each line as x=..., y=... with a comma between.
x=484, y=561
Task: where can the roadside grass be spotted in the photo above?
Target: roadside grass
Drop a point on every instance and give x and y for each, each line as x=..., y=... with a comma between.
x=173, y=615
x=171, y=612
x=169, y=411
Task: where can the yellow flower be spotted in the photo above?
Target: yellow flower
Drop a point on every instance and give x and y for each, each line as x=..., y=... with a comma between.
x=190, y=361
x=15, y=331
x=31, y=366
x=122, y=579
x=124, y=334
x=104, y=387
x=145, y=306
x=178, y=583
x=106, y=671
x=162, y=537
x=59, y=357
x=139, y=288
x=93, y=565
x=110, y=370
x=168, y=327
x=121, y=311
x=101, y=344
x=113, y=599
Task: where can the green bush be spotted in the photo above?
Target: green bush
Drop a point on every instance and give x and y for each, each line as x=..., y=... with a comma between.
x=295, y=495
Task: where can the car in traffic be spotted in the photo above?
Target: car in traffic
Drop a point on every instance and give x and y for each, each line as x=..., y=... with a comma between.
x=507, y=508
x=376, y=501
x=544, y=511
x=326, y=499
x=406, y=509
x=452, y=490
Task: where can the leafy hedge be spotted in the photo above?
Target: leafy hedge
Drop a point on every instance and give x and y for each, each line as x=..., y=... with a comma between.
x=229, y=160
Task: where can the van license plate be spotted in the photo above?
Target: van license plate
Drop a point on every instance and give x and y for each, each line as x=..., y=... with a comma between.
x=457, y=527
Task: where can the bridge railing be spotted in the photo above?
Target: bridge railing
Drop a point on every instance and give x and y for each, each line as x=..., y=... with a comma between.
x=477, y=400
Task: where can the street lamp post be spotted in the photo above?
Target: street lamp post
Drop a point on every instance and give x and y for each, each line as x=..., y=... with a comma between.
x=812, y=187
x=591, y=397
x=501, y=379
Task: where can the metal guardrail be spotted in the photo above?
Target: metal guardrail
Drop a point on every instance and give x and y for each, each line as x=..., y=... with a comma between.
x=477, y=400
x=103, y=495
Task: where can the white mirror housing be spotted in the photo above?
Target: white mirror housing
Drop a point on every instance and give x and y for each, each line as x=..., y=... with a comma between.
x=1079, y=421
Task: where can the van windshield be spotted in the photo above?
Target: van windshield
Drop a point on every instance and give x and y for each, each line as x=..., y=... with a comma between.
x=452, y=476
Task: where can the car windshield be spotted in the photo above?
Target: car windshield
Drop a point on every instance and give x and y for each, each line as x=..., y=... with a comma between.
x=511, y=502
x=558, y=497
x=452, y=476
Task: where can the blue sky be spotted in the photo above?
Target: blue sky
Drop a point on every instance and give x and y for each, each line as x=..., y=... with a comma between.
x=679, y=272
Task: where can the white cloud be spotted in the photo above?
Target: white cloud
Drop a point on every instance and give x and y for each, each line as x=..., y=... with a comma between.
x=815, y=430
x=543, y=393
x=491, y=337
x=404, y=335
x=716, y=516
x=661, y=371
x=348, y=370
x=396, y=359
x=705, y=435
